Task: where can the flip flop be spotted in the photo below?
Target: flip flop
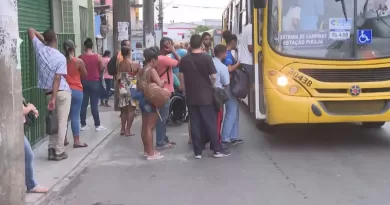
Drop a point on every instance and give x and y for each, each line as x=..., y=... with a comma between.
x=80, y=145
x=129, y=135
x=38, y=190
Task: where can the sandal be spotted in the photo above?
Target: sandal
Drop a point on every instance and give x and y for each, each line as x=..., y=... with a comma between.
x=82, y=145
x=171, y=142
x=129, y=135
x=38, y=190
x=155, y=152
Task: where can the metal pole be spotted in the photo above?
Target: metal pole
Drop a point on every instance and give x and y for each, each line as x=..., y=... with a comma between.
x=12, y=182
x=121, y=13
x=161, y=17
x=148, y=14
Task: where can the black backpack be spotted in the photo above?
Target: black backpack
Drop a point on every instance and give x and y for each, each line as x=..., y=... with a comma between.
x=111, y=66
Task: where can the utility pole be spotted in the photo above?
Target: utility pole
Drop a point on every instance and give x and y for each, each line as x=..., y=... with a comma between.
x=148, y=27
x=161, y=17
x=12, y=183
x=121, y=14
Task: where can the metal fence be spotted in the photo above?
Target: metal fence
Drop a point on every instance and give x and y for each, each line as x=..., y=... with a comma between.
x=29, y=84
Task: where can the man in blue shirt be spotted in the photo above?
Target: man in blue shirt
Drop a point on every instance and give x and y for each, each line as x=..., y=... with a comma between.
x=181, y=52
x=222, y=79
x=138, y=53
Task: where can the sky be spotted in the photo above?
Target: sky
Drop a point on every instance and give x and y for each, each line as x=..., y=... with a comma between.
x=192, y=14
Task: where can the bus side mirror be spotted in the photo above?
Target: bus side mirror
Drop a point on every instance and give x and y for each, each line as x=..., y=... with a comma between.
x=259, y=4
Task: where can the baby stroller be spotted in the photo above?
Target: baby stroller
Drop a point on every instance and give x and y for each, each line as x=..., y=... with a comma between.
x=177, y=109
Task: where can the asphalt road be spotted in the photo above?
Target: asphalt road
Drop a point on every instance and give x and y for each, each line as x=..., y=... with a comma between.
x=306, y=165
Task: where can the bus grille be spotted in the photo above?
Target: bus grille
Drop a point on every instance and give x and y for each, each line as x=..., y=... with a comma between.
x=348, y=75
x=363, y=107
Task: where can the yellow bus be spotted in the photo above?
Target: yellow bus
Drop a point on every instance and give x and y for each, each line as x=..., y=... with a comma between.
x=317, y=61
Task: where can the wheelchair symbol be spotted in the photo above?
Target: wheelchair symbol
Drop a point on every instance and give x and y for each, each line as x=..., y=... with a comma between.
x=364, y=36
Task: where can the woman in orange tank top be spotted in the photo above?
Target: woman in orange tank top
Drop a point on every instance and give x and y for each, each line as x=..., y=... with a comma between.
x=76, y=70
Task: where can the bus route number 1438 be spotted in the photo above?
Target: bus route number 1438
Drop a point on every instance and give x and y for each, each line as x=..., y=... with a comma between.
x=304, y=80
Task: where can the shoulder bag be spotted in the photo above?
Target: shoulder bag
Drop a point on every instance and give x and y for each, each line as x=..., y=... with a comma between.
x=51, y=123
x=219, y=95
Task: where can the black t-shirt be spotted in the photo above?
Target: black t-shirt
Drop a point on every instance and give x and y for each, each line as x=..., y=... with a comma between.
x=199, y=90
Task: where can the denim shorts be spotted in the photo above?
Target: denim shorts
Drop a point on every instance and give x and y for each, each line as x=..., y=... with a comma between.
x=146, y=107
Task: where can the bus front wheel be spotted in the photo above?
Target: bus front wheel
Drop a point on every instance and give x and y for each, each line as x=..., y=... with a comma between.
x=372, y=124
x=263, y=126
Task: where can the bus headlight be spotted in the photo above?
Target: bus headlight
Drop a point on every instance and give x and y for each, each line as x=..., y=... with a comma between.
x=282, y=81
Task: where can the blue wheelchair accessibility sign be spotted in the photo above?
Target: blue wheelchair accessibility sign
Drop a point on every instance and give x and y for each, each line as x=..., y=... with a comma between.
x=364, y=36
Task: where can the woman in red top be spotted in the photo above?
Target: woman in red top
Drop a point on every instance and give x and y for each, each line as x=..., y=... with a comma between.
x=91, y=85
x=76, y=70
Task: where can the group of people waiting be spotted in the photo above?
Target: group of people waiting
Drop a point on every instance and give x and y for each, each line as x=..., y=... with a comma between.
x=199, y=69
x=72, y=83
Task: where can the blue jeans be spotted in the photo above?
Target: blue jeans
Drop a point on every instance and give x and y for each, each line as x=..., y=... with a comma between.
x=105, y=93
x=231, y=121
x=161, y=127
x=28, y=163
x=91, y=91
x=75, y=109
x=145, y=106
x=108, y=88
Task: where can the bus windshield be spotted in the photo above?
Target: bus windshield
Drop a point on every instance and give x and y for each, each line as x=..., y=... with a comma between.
x=330, y=29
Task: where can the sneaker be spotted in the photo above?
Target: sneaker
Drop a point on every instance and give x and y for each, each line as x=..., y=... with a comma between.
x=237, y=141
x=198, y=156
x=84, y=127
x=222, y=153
x=61, y=156
x=51, y=154
x=100, y=128
x=156, y=156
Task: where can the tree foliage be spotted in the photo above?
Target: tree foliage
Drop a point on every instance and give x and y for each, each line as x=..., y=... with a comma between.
x=200, y=29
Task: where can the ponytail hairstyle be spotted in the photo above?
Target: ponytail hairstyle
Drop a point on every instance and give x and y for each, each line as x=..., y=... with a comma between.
x=150, y=54
x=228, y=37
x=68, y=47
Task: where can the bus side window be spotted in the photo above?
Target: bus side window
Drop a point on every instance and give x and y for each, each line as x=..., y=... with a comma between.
x=260, y=25
x=243, y=16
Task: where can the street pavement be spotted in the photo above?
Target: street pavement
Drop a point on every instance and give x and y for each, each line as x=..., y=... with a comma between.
x=295, y=165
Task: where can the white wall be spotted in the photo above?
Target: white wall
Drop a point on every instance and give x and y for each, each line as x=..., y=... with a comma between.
x=175, y=30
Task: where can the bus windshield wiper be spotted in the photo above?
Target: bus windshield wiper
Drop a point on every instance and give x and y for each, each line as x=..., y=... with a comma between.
x=344, y=8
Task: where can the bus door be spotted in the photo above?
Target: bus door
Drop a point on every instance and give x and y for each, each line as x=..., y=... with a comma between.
x=258, y=103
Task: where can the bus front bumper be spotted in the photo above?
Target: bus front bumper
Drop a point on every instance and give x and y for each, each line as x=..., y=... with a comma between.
x=285, y=109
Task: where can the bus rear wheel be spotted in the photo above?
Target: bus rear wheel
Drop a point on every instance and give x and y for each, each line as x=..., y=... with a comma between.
x=372, y=124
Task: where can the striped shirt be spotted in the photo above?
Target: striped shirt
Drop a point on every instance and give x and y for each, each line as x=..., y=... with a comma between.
x=50, y=62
